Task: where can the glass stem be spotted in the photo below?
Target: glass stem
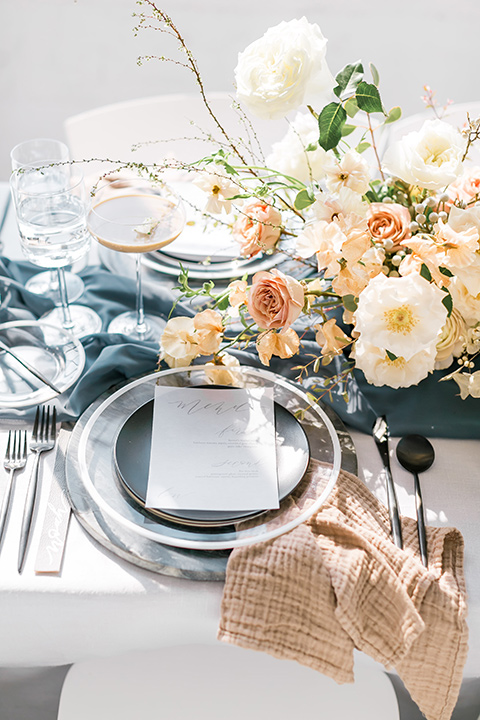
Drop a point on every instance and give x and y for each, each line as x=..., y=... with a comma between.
x=67, y=318
x=141, y=327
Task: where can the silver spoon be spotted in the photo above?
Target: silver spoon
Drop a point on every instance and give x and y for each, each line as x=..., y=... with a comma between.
x=416, y=454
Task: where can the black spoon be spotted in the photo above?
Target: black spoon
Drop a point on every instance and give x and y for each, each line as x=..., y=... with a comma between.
x=416, y=454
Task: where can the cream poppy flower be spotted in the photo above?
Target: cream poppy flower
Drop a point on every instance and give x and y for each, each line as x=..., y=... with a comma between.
x=380, y=370
x=403, y=315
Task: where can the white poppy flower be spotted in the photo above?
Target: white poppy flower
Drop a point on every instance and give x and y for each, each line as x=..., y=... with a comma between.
x=379, y=369
x=403, y=315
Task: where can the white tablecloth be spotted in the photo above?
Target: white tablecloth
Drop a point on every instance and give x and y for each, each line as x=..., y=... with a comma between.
x=101, y=606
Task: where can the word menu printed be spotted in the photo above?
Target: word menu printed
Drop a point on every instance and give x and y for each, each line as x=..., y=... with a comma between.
x=213, y=449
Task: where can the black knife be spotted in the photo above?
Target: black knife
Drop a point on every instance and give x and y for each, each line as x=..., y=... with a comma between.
x=381, y=435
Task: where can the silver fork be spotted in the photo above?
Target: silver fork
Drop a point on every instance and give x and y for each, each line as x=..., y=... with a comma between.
x=15, y=459
x=43, y=439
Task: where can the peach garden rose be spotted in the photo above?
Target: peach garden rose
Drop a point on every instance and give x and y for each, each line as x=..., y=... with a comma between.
x=275, y=300
x=257, y=228
x=388, y=223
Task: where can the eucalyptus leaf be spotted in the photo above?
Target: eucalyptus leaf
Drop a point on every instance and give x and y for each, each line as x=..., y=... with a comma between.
x=391, y=356
x=304, y=199
x=361, y=147
x=375, y=75
x=351, y=107
x=394, y=115
x=368, y=98
x=348, y=79
x=330, y=122
x=348, y=129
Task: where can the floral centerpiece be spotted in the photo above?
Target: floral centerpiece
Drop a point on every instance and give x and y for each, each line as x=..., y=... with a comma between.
x=391, y=238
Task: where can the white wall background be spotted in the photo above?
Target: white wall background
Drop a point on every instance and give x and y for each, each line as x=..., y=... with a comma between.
x=61, y=57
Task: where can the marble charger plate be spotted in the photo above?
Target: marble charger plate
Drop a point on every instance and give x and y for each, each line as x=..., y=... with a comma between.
x=118, y=522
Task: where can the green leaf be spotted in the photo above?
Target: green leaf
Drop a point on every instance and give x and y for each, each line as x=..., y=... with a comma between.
x=223, y=303
x=311, y=147
x=445, y=271
x=368, y=98
x=304, y=199
x=350, y=302
x=348, y=79
x=394, y=115
x=361, y=147
x=348, y=129
x=375, y=75
x=425, y=272
x=391, y=356
x=448, y=302
x=351, y=107
x=330, y=122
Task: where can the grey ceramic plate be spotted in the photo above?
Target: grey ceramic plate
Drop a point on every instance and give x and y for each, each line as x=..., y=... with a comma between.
x=132, y=459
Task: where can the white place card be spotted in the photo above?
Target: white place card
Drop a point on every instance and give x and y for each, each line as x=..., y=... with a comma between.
x=213, y=449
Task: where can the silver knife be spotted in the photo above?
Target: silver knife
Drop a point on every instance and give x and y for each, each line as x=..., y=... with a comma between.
x=30, y=369
x=381, y=435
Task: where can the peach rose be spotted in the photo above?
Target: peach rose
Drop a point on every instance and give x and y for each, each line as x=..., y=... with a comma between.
x=275, y=300
x=257, y=228
x=283, y=345
x=467, y=187
x=388, y=223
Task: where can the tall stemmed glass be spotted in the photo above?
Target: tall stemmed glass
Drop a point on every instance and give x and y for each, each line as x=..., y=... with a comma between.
x=51, y=209
x=40, y=152
x=136, y=215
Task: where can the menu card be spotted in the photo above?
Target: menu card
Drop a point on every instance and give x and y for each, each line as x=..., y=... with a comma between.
x=213, y=449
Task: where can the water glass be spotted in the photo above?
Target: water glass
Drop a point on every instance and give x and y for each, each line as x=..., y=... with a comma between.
x=42, y=152
x=51, y=209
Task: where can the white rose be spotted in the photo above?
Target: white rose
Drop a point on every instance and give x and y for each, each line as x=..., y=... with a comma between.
x=290, y=157
x=451, y=340
x=430, y=157
x=403, y=315
x=379, y=369
x=467, y=304
x=284, y=69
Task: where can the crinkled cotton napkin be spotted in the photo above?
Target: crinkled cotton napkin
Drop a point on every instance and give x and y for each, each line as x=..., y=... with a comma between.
x=338, y=582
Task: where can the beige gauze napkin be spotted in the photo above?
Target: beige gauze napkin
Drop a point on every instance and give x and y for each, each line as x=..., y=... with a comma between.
x=337, y=582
